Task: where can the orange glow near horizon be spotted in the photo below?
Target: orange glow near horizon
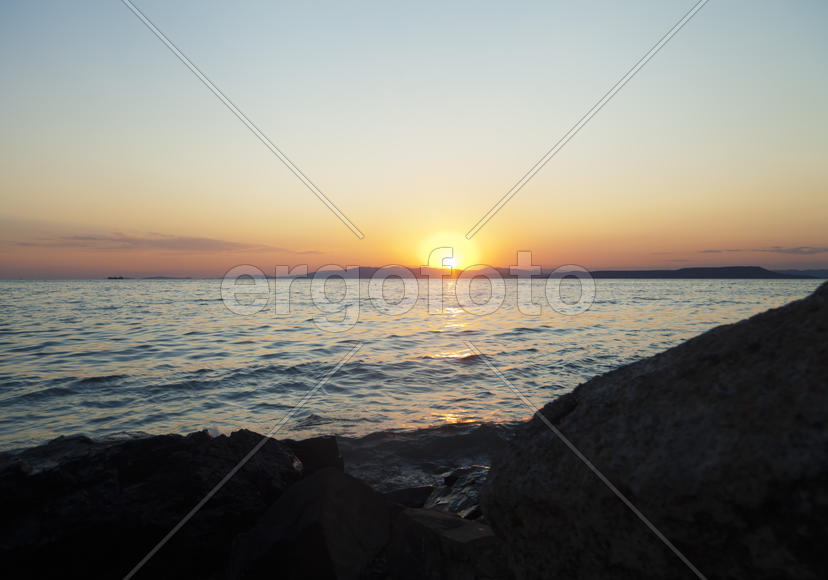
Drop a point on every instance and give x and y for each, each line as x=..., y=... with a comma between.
x=464, y=253
x=77, y=254
x=119, y=162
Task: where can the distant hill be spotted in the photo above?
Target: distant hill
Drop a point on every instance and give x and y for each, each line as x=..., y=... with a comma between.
x=811, y=273
x=726, y=272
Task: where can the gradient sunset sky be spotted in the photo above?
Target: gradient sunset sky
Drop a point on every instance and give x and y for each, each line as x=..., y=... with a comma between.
x=414, y=118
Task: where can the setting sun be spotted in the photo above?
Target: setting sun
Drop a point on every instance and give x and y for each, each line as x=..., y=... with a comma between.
x=457, y=252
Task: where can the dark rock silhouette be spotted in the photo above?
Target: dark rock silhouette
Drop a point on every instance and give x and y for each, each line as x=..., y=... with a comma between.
x=329, y=525
x=433, y=545
x=78, y=508
x=316, y=453
x=722, y=442
x=414, y=497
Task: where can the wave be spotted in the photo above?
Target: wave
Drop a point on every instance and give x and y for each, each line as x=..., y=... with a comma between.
x=100, y=379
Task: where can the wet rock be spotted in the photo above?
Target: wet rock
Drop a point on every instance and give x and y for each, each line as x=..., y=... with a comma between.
x=413, y=497
x=460, y=492
x=331, y=525
x=79, y=508
x=391, y=460
x=722, y=442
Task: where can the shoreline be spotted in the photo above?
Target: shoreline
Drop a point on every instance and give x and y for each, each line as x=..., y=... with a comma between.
x=387, y=460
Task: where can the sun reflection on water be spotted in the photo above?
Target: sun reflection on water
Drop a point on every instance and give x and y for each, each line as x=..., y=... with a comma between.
x=463, y=353
x=453, y=418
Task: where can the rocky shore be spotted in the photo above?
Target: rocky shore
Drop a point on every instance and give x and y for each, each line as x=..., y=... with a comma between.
x=92, y=509
x=721, y=442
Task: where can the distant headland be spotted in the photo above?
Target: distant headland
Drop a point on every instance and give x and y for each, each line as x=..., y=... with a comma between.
x=700, y=273
x=726, y=272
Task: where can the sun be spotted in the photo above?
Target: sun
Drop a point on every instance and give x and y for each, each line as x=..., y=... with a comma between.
x=449, y=250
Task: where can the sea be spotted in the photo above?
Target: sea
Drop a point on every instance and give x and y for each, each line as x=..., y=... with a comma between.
x=110, y=358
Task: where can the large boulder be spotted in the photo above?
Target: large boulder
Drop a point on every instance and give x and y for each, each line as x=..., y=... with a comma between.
x=78, y=508
x=428, y=544
x=722, y=442
x=329, y=525
x=414, y=497
x=316, y=453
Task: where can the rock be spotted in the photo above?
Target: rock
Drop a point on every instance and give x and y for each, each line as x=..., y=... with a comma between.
x=393, y=460
x=460, y=492
x=414, y=497
x=317, y=453
x=79, y=508
x=329, y=525
x=92, y=509
x=722, y=442
x=428, y=544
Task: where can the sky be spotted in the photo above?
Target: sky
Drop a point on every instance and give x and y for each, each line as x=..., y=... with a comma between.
x=414, y=119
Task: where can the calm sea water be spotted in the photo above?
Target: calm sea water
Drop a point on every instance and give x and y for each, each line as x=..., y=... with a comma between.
x=109, y=356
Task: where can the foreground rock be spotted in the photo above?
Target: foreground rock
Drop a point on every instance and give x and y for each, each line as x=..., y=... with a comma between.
x=79, y=508
x=722, y=442
x=331, y=525
x=328, y=526
x=460, y=492
x=316, y=453
x=82, y=509
x=432, y=545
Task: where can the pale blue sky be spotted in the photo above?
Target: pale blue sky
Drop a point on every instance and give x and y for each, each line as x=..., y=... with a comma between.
x=415, y=117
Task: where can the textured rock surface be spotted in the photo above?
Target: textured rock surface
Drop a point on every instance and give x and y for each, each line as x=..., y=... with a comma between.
x=329, y=525
x=414, y=497
x=82, y=509
x=79, y=508
x=460, y=492
x=389, y=461
x=316, y=453
x=432, y=545
x=722, y=442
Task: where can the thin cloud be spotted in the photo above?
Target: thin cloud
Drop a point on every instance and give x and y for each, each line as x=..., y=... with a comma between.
x=162, y=242
x=798, y=250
